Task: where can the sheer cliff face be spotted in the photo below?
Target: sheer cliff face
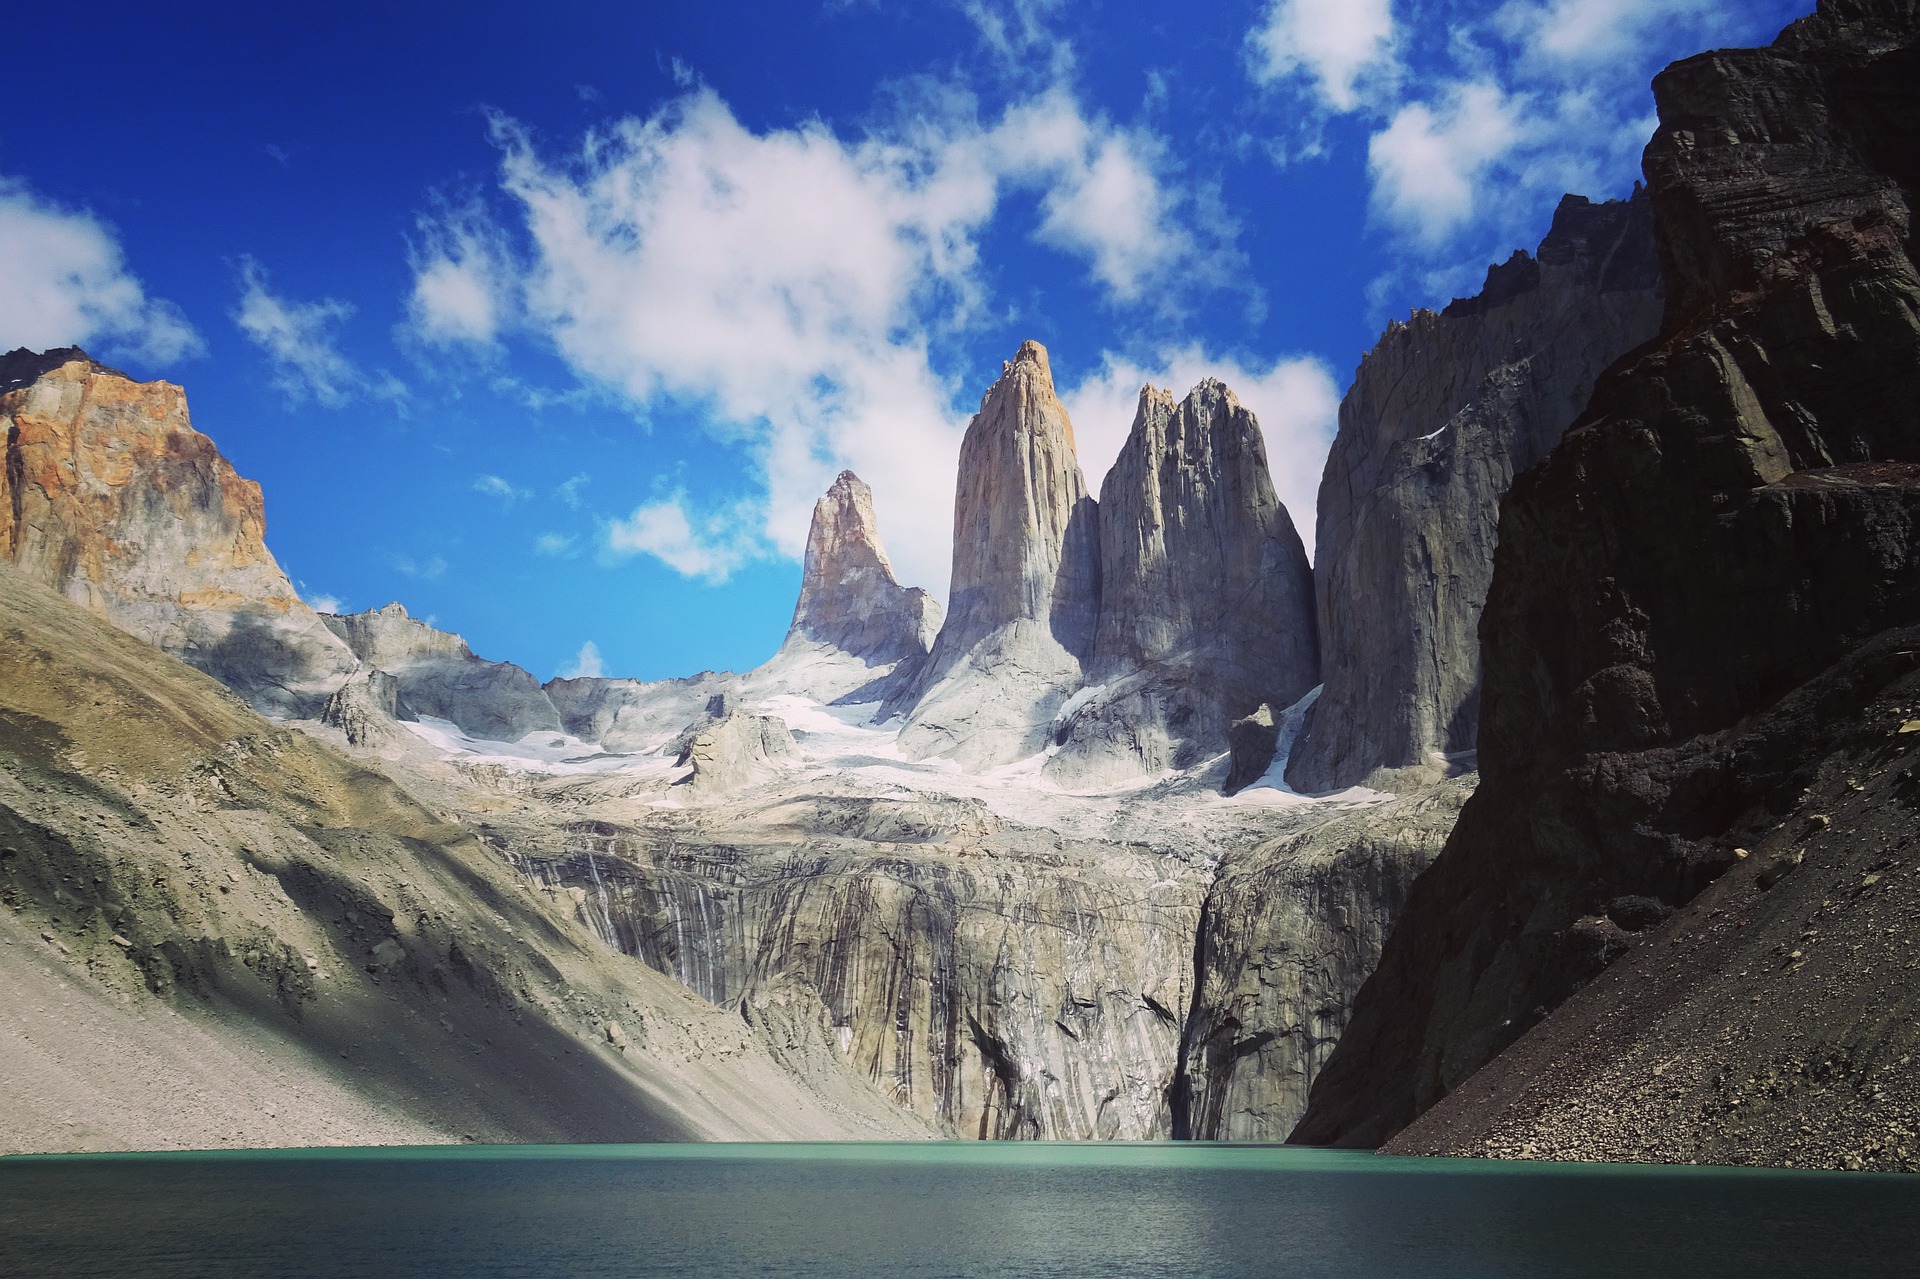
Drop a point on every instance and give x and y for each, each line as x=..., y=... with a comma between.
x=849, y=598
x=1025, y=593
x=1206, y=607
x=1733, y=516
x=1443, y=413
x=112, y=498
x=857, y=633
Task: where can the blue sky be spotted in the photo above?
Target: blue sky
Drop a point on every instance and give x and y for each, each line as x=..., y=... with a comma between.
x=552, y=321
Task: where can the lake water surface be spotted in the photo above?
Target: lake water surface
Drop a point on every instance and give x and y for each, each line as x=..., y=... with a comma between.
x=925, y=1210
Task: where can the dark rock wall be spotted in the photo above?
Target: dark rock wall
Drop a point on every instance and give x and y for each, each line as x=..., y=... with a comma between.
x=1734, y=514
x=1443, y=413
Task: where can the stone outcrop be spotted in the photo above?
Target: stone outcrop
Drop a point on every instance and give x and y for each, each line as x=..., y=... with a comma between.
x=1443, y=413
x=436, y=674
x=856, y=632
x=111, y=497
x=1732, y=519
x=1206, y=597
x=1025, y=594
x=736, y=749
x=1291, y=928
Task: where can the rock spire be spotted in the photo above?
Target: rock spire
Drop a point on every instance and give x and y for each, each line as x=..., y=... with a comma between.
x=1025, y=590
x=1206, y=608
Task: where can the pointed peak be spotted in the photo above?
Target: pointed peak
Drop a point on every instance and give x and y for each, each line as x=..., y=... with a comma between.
x=847, y=484
x=1032, y=354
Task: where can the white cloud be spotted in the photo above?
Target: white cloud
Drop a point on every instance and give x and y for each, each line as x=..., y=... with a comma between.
x=1295, y=399
x=1017, y=31
x=320, y=602
x=569, y=490
x=586, y=663
x=462, y=282
x=791, y=283
x=556, y=545
x=710, y=546
x=1589, y=32
x=66, y=283
x=1429, y=163
x=298, y=338
x=494, y=486
x=1344, y=49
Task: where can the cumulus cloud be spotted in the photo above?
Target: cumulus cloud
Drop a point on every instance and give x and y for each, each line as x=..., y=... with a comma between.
x=1342, y=50
x=1295, y=399
x=1430, y=160
x=1590, y=32
x=462, y=279
x=791, y=283
x=586, y=663
x=299, y=339
x=710, y=545
x=66, y=283
x=320, y=601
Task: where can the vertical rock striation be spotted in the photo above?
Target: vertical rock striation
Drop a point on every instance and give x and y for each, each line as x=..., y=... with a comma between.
x=856, y=632
x=1734, y=515
x=110, y=496
x=1025, y=592
x=1206, y=605
x=1443, y=413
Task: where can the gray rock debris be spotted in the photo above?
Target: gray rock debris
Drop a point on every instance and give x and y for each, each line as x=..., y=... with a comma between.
x=737, y=750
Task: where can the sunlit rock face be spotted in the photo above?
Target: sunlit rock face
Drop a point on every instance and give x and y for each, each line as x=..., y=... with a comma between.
x=857, y=633
x=1025, y=592
x=1443, y=413
x=1206, y=605
x=1000, y=980
x=111, y=497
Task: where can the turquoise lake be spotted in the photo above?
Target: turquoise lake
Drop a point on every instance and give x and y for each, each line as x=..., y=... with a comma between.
x=961, y=1209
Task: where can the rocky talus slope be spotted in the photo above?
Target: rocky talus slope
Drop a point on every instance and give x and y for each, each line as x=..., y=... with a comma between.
x=1443, y=413
x=1206, y=597
x=856, y=634
x=218, y=931
x=109, y=494
x=1694, y=645
x=1025, y=593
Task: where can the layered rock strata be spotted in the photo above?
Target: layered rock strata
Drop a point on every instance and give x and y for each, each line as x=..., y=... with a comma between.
x=1206, y=607
x=1732, y=518
x=1025, y=595
x=856, y=632
x=111, y=497
x=1443, y=413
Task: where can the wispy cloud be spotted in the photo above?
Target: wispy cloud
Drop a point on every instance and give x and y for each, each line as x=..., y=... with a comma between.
x=299, y=339
x=586, y=664
x=65, y=282
x=432, y=567
x=569, y=490
x=463, y=279
x=791, y=284
x=708, y=545
x=556, y=545
x=494, y=486
x=1343, y=52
